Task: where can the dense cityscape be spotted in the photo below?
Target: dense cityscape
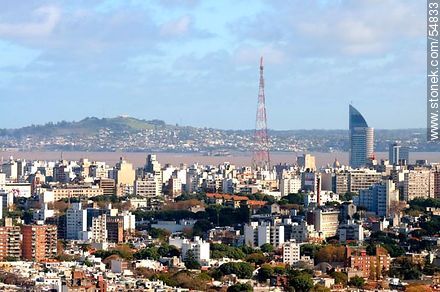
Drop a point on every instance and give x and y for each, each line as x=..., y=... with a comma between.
x=89, y=226
x=131, y=158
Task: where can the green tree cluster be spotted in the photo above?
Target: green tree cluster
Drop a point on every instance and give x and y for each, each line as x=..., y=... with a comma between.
x=242, y=270
x=219, y=250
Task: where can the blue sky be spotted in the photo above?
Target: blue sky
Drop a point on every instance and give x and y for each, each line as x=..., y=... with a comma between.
x=195, y=62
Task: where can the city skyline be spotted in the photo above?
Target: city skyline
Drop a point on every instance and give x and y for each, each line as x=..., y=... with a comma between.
x=173, y=60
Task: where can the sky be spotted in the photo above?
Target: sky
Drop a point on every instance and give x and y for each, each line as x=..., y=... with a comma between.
x=196, y=62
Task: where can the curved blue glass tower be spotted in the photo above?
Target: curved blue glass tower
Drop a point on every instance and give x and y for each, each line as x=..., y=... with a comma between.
x=361, y=139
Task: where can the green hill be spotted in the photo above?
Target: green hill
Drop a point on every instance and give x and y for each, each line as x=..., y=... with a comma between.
x=87, y=126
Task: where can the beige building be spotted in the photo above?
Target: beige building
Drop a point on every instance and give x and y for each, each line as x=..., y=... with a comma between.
x=76, y=192
x=125, y=174
x=326, y=222
x=149, y=186
x=307, y=161
x=363, y=179
x=99, y=229
x=418, y=184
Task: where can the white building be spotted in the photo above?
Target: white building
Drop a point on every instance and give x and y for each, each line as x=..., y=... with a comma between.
x=99, y=229
x=129, y=220
x=291, y=252
x=256, y=234
x=199, y=248
x=326, y=222
x=303, y=232
x=324, y=197
x=290, y=185
x=418, y=184
x=76, y=221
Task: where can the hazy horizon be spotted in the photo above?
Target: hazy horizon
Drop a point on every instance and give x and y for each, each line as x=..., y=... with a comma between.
x=224, y=129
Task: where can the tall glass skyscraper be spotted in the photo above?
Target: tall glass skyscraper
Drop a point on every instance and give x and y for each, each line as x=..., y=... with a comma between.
x=361, y=139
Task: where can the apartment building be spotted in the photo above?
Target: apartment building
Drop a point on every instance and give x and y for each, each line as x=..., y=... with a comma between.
x=10, y=242
x=39, y=242
x=418, y=183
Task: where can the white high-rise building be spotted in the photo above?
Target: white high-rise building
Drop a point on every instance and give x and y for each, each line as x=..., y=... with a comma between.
x=76, y=221
x=256, y=234
x=418, y=184
x=326, y=222
x=199, y=248
x=291, y=252
x=290, y=185
x=99, y=229
x=303, y=232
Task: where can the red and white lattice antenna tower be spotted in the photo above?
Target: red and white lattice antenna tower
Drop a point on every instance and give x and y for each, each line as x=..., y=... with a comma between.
x=260, y=158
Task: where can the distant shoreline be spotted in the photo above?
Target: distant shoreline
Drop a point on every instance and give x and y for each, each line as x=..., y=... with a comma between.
x=237, y=158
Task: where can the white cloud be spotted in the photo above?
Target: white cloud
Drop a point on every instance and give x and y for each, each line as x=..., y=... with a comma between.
x=51, y=16
x=250, y=55
x=177, y=27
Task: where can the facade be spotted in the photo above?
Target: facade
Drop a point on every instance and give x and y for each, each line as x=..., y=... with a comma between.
x=10, y=242
x=256, y=234
x=149, y=186
x=379, y=198
x=108, y=186
x=291, y=252
x=361, y=139
x=39, y=242
x=115, y=229
x=290, y=185
x=303, y=232
x=76, y=192
x=340, y=183
x=324, y=197
x=174, y=187
x=326, y=221
x=76, y=221
x=371, y=267
x=99, y=228
x=350, y=231
x=125, y=174
x=362, y=179
x=199, y=248
x=418, y=184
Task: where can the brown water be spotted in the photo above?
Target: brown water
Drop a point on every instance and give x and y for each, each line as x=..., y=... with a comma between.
x=138, y=159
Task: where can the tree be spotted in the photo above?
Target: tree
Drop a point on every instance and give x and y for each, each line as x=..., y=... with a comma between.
x=242, y=270
x=330, y=253
x=265, y=272
x=256, y=258
x=190, y=261
x=151, y=252
x=357, y=282
x=202, y=226
x=302, y=282
x=320, y=288
x=267, y=247
x=219, y=250
x=310, y=249
x=340, y=278
x=240, y=288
